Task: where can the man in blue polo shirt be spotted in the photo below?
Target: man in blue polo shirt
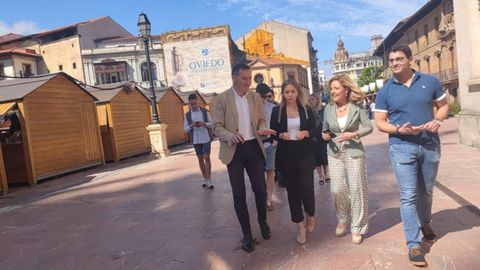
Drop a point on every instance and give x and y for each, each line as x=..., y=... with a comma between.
x=404, y=110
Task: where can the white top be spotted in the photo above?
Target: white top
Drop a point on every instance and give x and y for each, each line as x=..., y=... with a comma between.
x=293, y=126
x=200, y=134
x=342, y=122
x=244, y=122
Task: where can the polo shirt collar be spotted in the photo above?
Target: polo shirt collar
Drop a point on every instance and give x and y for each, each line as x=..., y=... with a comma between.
x=416, y=75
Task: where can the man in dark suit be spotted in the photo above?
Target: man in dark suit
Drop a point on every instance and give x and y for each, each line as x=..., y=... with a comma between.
x=239, y=122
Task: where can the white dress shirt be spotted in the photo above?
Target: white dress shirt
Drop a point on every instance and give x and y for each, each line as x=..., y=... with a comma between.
x=200, y=134
x=244, y=122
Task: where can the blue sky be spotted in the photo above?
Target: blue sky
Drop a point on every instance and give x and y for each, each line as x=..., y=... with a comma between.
x=355, y=20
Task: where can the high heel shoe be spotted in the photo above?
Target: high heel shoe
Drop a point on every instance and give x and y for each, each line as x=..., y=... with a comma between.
x=301, y=238
x=357, y=238
x=341, y=229
x=310, y=223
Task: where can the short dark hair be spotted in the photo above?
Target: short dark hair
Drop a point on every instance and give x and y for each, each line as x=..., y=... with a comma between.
x=192, y=97
x=240, y=66
x=401, y=48
x=263, y=89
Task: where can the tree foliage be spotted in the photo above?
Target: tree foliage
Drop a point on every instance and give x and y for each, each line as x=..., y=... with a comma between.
x=369, y=75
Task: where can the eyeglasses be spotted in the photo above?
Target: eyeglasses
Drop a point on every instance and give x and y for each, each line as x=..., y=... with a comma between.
x=398, y=60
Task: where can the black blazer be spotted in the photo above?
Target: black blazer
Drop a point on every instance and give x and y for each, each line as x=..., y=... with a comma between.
x=307, y=160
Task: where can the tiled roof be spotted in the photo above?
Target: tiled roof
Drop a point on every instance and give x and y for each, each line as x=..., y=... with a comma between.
x=22, y=51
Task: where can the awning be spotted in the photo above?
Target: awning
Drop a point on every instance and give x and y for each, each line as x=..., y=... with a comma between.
x=6, y=107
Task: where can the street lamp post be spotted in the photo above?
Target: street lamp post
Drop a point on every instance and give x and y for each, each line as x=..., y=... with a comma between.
x=145, y=28
x=157, y=130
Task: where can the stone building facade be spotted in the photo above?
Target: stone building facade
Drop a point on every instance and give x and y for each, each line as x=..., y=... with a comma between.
x=123, y=59
x=200, y=59
x=274, y=39
x=195, y=59
x=467, y=16
x=60, y=48
x=353, y=64
x=274, y=72
x=430, y=34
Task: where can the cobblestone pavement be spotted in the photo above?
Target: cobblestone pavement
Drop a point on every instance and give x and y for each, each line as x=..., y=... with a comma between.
x=153, y=214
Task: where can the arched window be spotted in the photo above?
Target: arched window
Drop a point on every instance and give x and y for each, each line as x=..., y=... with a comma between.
x=145, y=77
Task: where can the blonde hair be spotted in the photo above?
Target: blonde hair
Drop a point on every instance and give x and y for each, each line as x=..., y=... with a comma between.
x=301, y=98
x=354, y=94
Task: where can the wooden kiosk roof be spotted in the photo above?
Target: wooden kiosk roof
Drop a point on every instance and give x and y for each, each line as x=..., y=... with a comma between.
x=17, y=89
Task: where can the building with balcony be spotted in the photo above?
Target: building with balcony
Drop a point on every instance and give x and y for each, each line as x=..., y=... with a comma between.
x=20, y=62
x=194, y=59
x=123, y=59
x=353, y=64
x=430, y=34
x=60, y=49
x=274, y=71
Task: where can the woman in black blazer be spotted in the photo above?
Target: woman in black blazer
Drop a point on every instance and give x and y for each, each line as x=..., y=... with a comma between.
x=294, y=123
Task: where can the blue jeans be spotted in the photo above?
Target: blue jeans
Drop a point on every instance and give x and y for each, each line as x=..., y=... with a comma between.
x=415, y=168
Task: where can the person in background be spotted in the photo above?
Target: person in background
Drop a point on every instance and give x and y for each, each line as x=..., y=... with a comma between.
x=271, y=97
x=294, y=122
x=320, y=143
x=269, y=144
x=345, y=122
x=197, y=122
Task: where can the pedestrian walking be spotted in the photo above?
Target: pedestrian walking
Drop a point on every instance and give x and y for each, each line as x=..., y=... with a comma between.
x=239, y=122
x=197, y=122
x=345, y=122
x=294, y=122
x=404, y=110
x=269, y=144
x=320, y=144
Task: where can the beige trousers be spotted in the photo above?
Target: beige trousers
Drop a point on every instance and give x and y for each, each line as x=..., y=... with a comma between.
x=349, y=190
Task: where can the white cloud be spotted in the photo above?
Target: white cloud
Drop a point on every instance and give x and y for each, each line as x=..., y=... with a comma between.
x=23, y=27
x=329, y=17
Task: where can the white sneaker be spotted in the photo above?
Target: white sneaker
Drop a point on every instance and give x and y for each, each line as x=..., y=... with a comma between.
x=210, y=184
x=205, y=183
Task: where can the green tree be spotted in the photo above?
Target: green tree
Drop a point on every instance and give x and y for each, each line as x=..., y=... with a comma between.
x=369, y=75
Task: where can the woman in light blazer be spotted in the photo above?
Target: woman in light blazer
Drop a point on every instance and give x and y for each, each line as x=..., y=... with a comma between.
x=345, y=122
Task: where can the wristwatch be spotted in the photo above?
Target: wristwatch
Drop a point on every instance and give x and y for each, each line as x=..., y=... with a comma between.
x=397, y=131
x=438, y=121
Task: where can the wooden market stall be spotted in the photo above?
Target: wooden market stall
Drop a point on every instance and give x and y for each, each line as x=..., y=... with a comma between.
x=123, y=116
x=57, y=129
x=207, y=97
x=170, y=112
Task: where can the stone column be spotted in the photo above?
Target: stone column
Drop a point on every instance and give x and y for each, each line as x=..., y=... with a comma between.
x=158, y=139
x=467, y=20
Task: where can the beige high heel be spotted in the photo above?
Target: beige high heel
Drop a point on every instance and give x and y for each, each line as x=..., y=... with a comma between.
x=341, y=229
x=310, y=223
x=301, y=238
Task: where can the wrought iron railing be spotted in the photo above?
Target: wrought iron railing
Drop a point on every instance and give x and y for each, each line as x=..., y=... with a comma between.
x=447, y=75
